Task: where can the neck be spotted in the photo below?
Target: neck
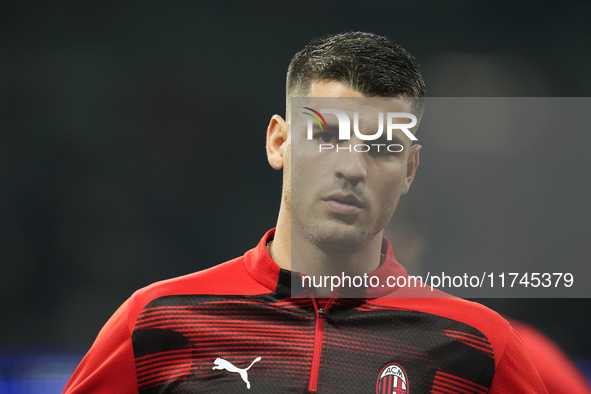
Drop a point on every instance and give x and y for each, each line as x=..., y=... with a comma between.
x=311, y=259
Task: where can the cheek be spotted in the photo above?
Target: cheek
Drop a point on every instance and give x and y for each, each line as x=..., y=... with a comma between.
x=388, y=202
x=304, y=179
x=306, y=169
x=390, y=188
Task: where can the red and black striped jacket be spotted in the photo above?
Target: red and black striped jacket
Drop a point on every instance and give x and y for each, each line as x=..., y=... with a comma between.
x=238, y=328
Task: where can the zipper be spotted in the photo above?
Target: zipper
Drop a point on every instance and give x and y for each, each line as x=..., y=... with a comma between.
x=318, y=334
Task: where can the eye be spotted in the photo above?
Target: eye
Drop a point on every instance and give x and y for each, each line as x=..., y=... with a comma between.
x=325, y=137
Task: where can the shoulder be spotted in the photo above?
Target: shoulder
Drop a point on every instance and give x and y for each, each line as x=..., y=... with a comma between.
x=493, y=326
x=229, y=278
x=448, y=306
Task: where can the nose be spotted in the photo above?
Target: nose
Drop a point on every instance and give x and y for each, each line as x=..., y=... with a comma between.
x=350, y=164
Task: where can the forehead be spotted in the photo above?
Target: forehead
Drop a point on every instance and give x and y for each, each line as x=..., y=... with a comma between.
x=327, y=93
x=332, y=89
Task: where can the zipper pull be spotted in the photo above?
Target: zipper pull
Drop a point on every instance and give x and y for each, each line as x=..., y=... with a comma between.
x=320, y=313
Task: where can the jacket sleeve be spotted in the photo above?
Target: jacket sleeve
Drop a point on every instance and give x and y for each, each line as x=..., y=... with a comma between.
x=109, y=365
x=515, y=372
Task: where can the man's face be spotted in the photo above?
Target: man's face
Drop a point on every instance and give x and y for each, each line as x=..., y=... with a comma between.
x=341, y=199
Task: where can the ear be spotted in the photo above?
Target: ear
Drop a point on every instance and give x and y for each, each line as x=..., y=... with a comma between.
x=412, y=162
x=277, y=134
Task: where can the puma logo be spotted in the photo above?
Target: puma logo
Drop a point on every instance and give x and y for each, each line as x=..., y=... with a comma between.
x=220, y=363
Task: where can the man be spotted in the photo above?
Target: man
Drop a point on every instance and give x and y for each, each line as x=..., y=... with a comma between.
x=249, y=325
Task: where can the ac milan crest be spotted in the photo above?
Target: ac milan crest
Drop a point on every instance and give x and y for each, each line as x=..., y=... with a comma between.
x=392, y=380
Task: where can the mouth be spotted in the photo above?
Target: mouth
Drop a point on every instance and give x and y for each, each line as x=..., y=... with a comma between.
x=344, y=204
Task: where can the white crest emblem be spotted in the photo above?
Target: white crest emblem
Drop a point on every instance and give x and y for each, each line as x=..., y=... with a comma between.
x=220, y=363
x=392, y=380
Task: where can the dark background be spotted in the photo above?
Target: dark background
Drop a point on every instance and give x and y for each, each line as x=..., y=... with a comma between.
x=132, y=146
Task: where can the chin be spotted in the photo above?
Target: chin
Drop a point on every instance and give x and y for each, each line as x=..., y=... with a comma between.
x=337, y=237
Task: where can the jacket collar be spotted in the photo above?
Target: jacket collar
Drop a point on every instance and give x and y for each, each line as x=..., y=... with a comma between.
x=265, y=271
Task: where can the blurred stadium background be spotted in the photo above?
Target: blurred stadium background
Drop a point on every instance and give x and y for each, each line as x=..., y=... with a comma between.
x=132, y=150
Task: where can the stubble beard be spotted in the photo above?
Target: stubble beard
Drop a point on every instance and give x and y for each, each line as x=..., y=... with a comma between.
x=330, y=235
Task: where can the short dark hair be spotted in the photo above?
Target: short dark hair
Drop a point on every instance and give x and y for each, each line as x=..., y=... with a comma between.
x=369, y=63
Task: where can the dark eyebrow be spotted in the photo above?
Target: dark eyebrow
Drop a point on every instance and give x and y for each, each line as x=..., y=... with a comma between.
x=396, y=140
x=383, y=140
x=331, y=126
